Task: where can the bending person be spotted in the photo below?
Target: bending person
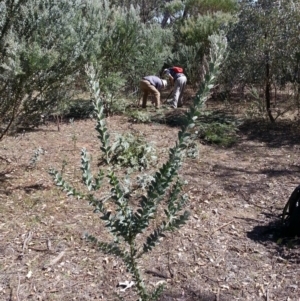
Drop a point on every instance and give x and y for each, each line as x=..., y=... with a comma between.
x=152, y=85
x=178, y=79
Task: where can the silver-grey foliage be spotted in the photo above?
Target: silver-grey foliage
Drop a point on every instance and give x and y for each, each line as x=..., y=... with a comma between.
x=44, y=45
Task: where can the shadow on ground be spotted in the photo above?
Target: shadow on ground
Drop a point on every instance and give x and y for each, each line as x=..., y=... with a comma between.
x=5, y=174
x=250, y=180
x=272, y=235
x=171, y=117
x=280, y=133
x=177, y=117
x=190, y=295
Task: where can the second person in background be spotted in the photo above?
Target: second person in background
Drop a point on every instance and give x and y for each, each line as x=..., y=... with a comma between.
x=178, y=79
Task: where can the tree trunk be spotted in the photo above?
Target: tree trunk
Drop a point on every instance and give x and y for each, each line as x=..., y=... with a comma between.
x=165, y=19
x=268, y=90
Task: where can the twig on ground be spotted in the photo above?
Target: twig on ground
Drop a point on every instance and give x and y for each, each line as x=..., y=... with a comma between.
x=158, y=274
x=11, y=294
x=54, y=261
x=223, y=226
x=19, y=281
x=27, y=240
x=169, y=266
x=49, y=247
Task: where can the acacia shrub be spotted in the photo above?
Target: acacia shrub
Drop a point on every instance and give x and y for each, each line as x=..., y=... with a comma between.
x=127, y=224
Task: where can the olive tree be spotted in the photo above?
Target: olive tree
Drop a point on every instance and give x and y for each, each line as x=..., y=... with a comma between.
x=144, y=47
x=44, y=43
x=192, y=22
x=264, y=47
x=44, y=46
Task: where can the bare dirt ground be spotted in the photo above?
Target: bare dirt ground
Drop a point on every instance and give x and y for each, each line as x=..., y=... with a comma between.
x=228, y=250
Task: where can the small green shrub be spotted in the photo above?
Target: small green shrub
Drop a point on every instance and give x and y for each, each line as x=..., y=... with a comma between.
x=117, y=106
x=79, y=109
x=132, y=151
x=139, y=116
x=192, y=150
x=217, y=127
x=35, y=157
x=144, y=181
x=218, y=133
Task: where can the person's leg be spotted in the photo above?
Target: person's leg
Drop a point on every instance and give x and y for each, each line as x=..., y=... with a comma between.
x=176, y=93
x=182, y=83
x=144, y=86
x=156, y=95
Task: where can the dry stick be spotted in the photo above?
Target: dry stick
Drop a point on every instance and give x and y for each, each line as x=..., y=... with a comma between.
x=49, y=247
x=11, y=294
x=54, y=261
x=169, y=266
x=157, y=273
x=223, y=226
x=218, y=295
x=27, y=240
x=25, y=243
x=267, y=295
x=168, y=96
x=18, y=287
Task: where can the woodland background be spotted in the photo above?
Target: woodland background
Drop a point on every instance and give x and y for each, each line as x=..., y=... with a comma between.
x=237, y=171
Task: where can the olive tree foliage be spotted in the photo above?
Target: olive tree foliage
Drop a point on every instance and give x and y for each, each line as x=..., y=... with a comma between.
x=193, y=43
x=264, y=47
x=184, y=39
x=132, y=50
x=177, y=10
x=44, y=46
x=192, y=22
x=44, y=43
x=149, y=10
